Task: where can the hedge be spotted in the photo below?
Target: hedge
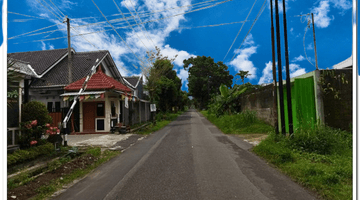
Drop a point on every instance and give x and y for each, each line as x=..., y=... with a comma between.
x=20, y=156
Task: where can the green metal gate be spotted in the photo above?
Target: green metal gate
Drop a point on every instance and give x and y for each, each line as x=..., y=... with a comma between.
x=303, y=103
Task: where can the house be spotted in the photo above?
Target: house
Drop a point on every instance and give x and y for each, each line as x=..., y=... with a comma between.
x=142, y=107
x=19, y=73
x=51, y=69
x=102, y=105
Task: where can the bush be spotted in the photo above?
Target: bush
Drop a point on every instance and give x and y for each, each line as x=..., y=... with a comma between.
x=34, y=116
x=20, y=156
x=35, y=110
x=320, y=139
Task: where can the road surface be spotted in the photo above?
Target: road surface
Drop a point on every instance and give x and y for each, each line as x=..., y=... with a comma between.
x=188, y=159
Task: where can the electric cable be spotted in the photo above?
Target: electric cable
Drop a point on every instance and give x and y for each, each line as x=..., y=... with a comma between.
x=252, y=25
x=140, y=21
x=117, y=33
x=130, y=24
x=25, y=15
x=240, y=30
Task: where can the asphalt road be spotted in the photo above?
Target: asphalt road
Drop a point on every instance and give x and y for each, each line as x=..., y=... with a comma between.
x=188, y=159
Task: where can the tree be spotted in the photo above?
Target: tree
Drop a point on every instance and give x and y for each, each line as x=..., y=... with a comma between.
x=243, y=75
x=205, y=78
x=162, y=82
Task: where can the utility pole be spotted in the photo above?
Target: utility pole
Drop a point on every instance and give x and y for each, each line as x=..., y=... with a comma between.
x=288, y=84
x=274, y=113
x=67, y=20
x=281, y=92
x=316, y=61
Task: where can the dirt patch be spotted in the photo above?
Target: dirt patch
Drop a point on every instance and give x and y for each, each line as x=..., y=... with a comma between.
x=253, y=139
x=30, y=189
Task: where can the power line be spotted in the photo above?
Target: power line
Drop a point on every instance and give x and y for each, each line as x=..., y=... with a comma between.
x=25, y=15
x=130, y=25
x=252, y=25
x=70, y=26
x=51, y=7
x=21, y=20
x=213, y=25
x=239, y=30
x=33, y=31
x=118, y=19
x=116, y=28
x=117, y=32
x=140, y=21
x=57, y=8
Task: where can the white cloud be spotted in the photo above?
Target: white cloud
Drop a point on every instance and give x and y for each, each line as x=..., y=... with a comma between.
x=321, y=18
x=242, y=62
x=310, y=46
x=129, y=4
x=267, y=76
x=296, y=70
x=43, y=46
x=181, y=55
x=156, y=34
x=342, y=4
x=298, y=59
x=183, y=75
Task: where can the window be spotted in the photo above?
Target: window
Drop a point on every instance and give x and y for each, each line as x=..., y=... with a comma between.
x=49, y=106
x=100, y=124
x=100, y=111
x=113, y=109
x=57, y=106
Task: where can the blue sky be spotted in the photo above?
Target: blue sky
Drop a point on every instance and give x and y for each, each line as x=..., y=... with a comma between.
x=180, y=34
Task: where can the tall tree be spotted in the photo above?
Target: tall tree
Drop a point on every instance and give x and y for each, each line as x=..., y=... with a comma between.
x=205, y=78
x=243, y=75
x=162, y=82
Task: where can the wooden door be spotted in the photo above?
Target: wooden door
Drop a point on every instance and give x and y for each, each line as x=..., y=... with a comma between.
x=89, y=113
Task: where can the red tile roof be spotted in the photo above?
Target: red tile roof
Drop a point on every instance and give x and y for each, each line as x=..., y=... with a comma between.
x=99, y=81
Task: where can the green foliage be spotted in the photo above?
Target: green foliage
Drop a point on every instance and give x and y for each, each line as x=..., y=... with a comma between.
x=205, y=77
x=328, y=172
x=164, y=86
x=30, y=112
x=94, y=151
x=227, y=102
x=243, y=75
x=35, y=110
x=240, y=123
x=320, y=139
x=20, y=156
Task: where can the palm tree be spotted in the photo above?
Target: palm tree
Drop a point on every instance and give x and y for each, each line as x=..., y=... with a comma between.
x=243, y=75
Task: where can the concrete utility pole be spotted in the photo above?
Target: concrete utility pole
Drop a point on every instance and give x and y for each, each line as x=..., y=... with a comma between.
x=288, y=86
x=274, y=113
x=316, y=61
x=67, y=20
x=281, y=93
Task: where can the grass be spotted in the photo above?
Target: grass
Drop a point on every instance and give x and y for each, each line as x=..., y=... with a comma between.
x=162, y=119
x=47, y=190
x=319, y=158
x=242, y=123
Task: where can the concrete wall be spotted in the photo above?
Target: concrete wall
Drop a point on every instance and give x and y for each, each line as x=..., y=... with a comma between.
x=338, y=111
x=260, y=101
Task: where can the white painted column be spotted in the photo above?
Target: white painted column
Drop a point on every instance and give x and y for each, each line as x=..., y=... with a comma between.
x=81, y=116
